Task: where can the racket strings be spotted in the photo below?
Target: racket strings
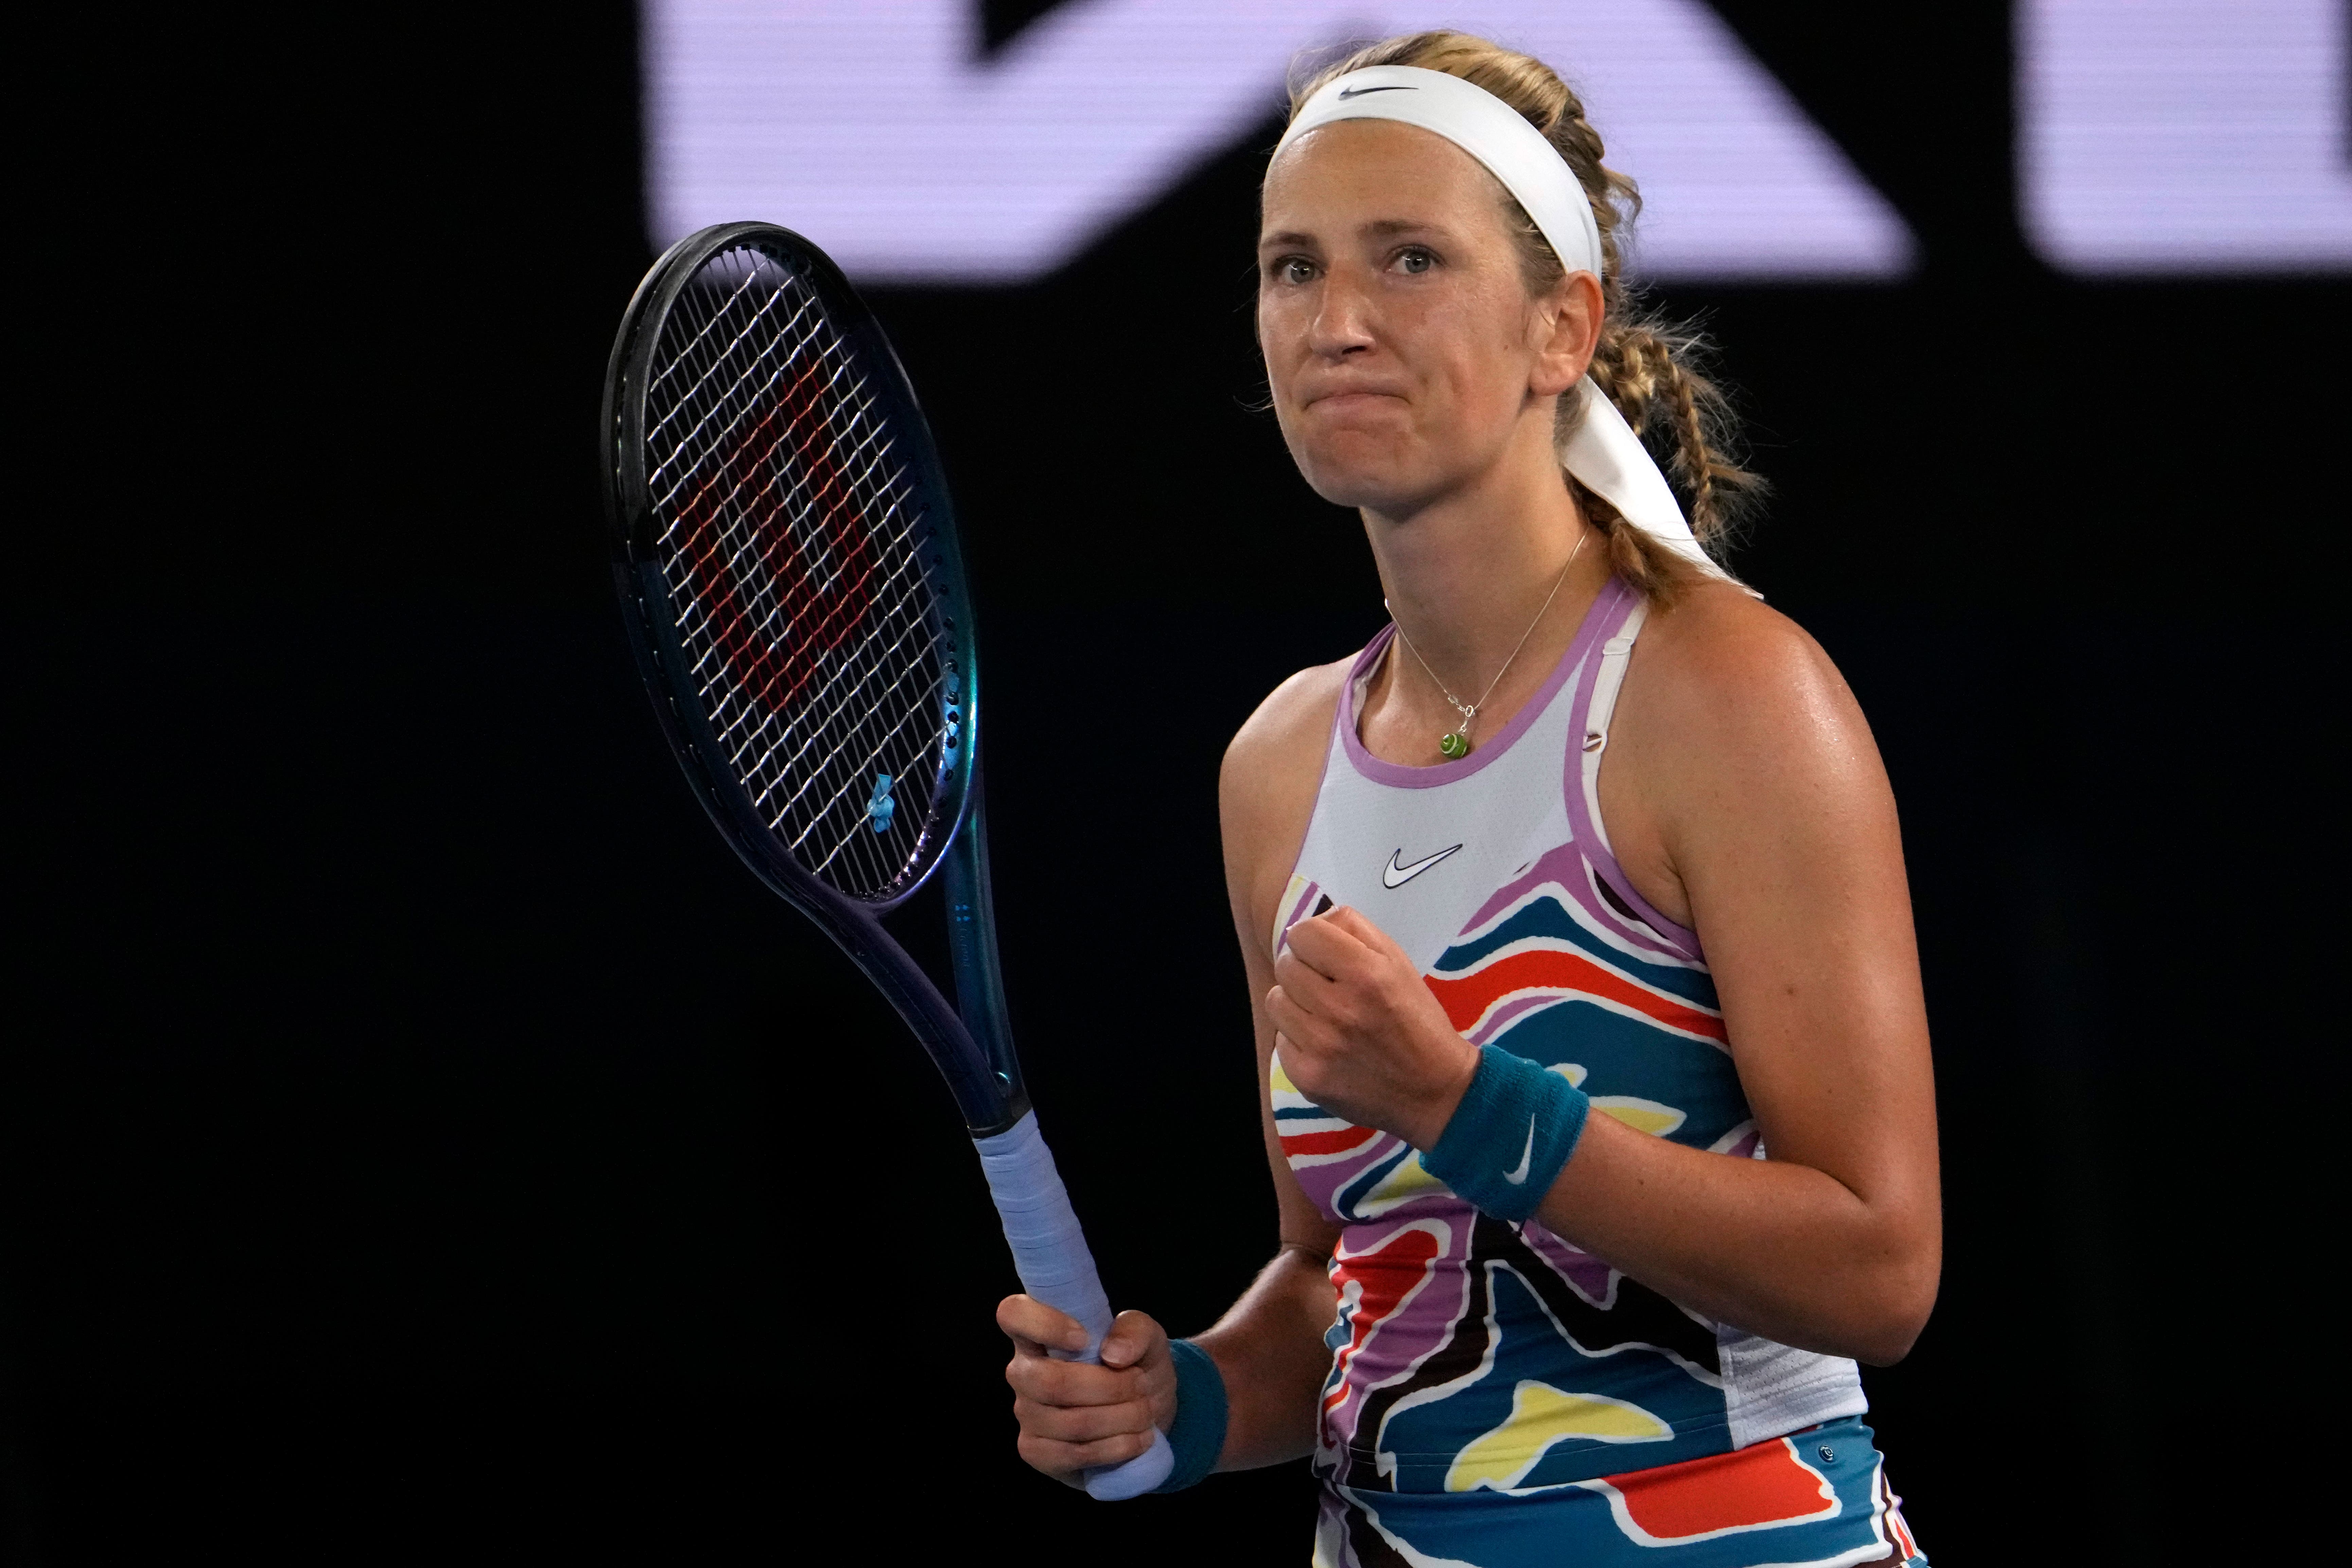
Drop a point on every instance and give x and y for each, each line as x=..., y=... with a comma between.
x=867, y=868
x=827, y=628
x=791, y=535
x=712, y=359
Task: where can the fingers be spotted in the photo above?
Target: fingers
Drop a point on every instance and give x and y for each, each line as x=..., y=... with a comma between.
x=1313, y=991
x=1319, y=988
x=1298, y=974
x=1154, y=1364
x=1069, y=1462
x=1077, y=1425
x=1280, y=1010
x=1026, y=1319
x=1292, y=1026
x=1331, y=963
x=1359, y=925
x=1037, y=1377
x=1076, y=1415
x=1135, y=1340
x=1322, y=944
x=1070, y=1384
x=1369, y=1034
x=1341, y=944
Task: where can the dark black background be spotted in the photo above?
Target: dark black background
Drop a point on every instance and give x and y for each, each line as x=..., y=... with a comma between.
x=424, y=1140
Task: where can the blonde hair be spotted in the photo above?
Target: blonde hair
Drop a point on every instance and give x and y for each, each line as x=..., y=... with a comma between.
x=1652, y=369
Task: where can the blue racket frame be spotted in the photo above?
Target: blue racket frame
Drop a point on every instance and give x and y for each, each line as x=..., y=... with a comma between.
x=972, y=1044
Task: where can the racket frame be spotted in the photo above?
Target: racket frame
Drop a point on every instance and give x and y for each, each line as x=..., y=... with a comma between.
x=973, y=1049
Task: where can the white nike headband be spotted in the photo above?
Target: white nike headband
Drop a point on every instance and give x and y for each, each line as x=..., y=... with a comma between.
x=1603, y=453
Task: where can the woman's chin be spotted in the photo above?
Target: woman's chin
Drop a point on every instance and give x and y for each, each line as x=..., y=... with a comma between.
x=1357, y=472
x=1372, y=488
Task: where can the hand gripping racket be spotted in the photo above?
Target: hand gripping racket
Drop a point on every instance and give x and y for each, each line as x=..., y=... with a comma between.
x=788, y=566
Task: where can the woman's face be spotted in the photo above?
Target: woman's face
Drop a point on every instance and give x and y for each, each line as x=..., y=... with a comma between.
x=1405, y=356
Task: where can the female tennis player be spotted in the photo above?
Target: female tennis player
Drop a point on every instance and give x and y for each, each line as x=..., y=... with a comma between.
x=1594, y=1064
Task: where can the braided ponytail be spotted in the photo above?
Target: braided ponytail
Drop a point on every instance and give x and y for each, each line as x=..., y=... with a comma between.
x=1652, y=369
x=1653, y=372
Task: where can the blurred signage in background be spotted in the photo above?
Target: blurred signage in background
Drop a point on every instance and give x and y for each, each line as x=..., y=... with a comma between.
x=884, y=132
x=2185, y=135
x=2155, y=136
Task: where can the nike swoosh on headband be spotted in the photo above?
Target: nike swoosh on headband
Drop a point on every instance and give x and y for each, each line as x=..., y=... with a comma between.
x=1519, y=1178
x=1360, y=91
x=1396, y=874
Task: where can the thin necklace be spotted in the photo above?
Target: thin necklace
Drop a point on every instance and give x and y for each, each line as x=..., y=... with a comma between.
x=1455, y=742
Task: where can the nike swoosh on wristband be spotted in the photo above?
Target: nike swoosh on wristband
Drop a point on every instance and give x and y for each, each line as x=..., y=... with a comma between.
x=1396, y=874
x=1519, y=1178
x=1348, y=93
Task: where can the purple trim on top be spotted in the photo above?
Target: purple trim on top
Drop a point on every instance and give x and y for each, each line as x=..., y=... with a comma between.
x=1586, y=830
x=1297, y=909
x=1608, y=605
x=1567, y=867
x=1680, y=939
x=1582, y=890
x=1556, y=865
x=1510, y=1013
x=1570, y=869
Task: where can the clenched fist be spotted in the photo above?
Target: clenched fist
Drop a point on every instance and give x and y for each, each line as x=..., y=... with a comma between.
x=1074, y=1416
x=1360, y=1033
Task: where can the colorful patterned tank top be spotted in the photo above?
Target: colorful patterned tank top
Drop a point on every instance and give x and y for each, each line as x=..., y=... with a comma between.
x=1472, y=1356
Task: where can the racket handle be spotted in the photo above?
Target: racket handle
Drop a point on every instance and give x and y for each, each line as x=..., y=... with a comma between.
x=1050, y=1252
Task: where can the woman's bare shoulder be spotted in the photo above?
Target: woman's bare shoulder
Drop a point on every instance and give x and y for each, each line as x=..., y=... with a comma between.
x=1724, y=665
x=1295, y=718
x=1738, y=730
x=1735, y=741
x=1265, y=791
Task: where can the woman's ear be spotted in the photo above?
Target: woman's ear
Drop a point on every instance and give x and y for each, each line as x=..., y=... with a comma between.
x=1569, y=320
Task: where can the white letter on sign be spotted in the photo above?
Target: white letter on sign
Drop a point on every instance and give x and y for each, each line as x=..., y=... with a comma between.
x=2185, y=135
x=878, y=131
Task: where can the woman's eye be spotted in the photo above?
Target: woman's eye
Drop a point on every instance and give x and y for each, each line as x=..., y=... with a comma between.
x=1415, y=262
x=1294, y=269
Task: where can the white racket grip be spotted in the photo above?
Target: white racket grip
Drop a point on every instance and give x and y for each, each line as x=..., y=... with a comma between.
x=1050, y=1252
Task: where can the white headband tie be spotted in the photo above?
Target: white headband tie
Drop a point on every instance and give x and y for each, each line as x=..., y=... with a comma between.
x=1604, y=454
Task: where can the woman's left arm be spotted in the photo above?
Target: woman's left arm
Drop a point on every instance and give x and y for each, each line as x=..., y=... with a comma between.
x=1745, y=798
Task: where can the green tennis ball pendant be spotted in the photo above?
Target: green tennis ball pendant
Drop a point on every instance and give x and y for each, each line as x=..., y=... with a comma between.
x=1454, y=743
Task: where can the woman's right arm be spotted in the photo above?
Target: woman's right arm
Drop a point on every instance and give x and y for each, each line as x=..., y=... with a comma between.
x=1269, y=1347
x=1269, y=1344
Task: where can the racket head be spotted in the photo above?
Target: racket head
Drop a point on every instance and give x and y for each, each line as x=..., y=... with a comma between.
x=789, y=565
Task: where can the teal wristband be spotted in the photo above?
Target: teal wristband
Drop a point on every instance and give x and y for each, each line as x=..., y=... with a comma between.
x=1516, y=1127
x=1199, y=1435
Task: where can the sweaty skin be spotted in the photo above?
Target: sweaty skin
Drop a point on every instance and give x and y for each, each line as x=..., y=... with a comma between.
x=1415, y=378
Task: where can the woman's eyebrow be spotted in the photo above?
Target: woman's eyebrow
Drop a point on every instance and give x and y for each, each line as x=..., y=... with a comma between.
x=1379, y=228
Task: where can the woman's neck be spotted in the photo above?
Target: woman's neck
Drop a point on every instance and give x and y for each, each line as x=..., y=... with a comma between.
x=1468, y=577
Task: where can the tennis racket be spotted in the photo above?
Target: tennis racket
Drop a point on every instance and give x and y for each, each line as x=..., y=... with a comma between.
x=788, y=565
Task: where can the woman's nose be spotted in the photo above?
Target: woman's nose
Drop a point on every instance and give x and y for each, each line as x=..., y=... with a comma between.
x=1342, y=321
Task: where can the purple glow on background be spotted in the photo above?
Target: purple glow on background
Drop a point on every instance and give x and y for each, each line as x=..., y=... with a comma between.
x=2169, y=136
x=879, y=132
